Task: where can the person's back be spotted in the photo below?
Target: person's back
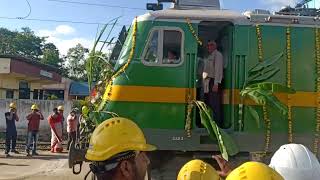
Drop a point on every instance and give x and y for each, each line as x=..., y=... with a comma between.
x=10, y=121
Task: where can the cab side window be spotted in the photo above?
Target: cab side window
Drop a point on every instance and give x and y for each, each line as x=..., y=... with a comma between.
x=164, y=47
x=151, y=54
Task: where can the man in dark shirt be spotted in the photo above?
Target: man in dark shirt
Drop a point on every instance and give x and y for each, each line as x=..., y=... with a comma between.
x=11, y=131
x=33, y=128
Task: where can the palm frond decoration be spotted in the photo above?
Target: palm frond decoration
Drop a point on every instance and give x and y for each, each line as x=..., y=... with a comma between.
x=226, y=144
x=261, y=92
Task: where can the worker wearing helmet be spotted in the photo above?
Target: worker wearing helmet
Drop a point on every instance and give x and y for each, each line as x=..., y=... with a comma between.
x=72, y=123
x=84, y=126
x=296, y=162
x=198, y=170
x=11, y=131
x=60, y=111
x=55, y=122
x=117, y=151
x=254, y=171
x=33, y=128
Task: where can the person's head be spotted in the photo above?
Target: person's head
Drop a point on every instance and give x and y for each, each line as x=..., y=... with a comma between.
x=212, y=46
x=295, y=162
x=73, y=112
x=55, y=110
x=60, y=109
x=172, y=55
x=34, y=108
x=123, y=155
x=197, y=170
x=254, y=171
x=12, y=107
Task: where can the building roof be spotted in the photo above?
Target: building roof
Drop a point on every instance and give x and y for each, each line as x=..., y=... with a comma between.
x=32, y=61
x=79, y=89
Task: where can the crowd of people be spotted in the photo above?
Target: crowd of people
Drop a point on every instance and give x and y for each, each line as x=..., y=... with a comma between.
x=123, y=157
x=56, y=123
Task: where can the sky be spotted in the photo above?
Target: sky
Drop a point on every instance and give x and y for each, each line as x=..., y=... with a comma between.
x=65, y=34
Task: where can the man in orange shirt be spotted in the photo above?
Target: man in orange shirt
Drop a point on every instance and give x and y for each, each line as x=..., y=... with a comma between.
x=33, y=128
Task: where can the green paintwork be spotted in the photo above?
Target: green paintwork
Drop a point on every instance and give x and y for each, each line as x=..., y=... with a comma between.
x=244, y=55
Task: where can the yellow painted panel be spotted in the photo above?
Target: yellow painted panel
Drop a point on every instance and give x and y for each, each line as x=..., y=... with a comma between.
x=149, y=94
x=179, y=95
x=10, y=83
x=35, y=86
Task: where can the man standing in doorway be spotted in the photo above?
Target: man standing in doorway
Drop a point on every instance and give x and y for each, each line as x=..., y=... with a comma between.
x=33, y=128
x=11, y=131
x=212, y=76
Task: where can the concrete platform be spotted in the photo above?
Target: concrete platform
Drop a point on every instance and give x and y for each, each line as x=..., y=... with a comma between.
x=48, y=166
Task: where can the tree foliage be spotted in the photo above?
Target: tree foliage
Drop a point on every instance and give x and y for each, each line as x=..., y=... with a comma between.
x=76, y=60
x=24, y=43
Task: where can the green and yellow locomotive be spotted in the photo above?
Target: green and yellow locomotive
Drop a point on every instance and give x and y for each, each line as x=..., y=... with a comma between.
x=156, y=92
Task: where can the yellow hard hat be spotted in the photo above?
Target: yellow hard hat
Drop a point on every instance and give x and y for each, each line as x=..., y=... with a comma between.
x=34, y=107
x=197, y=170
x=60, y=108
x=85, y=110
x=254, y=171
x=13, y=105
x=114, y=136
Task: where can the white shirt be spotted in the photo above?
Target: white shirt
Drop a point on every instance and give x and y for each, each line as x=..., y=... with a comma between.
x=213, y=67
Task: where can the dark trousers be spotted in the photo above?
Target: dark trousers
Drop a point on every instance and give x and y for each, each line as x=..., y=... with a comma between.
x=213, y=100
x=11, y=141
x=71, y=138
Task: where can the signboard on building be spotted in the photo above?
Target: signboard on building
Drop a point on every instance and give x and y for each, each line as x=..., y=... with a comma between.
x=46, y=74
x=4, y=65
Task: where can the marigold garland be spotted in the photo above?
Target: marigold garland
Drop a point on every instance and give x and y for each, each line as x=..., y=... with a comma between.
x=266, y=118
x=289, y=57
x=316, y=138
x=108, y=91
x=193, y=32
x=188, y=125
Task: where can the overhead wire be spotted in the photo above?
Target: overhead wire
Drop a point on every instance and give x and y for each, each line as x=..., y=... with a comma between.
x=30, y=9
x=97, y=4
x=60, y=21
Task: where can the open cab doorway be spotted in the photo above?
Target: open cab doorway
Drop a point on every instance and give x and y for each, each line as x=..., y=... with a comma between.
x=221, y=32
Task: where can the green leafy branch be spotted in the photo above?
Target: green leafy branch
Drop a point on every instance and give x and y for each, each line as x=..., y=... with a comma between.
x=226, y=144
x=262, y=93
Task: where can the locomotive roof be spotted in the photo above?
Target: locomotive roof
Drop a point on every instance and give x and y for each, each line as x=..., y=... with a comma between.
x=229, y=15
x=195, y=14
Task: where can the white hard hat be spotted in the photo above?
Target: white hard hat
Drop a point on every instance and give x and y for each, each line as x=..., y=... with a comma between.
x=295, y=162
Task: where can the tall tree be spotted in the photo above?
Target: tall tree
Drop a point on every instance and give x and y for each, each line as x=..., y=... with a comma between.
x=51, y=55
x=76, y=62
x=24, y=43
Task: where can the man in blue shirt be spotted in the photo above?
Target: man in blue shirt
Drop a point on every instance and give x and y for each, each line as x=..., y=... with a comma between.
x=11, y=131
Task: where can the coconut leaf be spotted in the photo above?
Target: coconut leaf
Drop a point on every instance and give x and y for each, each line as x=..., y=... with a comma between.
x=266, y=63
x=254, y=114
x=225, y=142
x=263, y=76
x=275, y=87
x=264, y=97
